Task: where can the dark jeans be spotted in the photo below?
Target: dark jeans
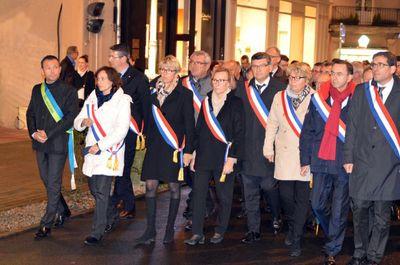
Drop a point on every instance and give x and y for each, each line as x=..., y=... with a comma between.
x=330, y=203
x=100, y=188
x=123, y=189
x=371, y=220
x=51, y=168
x=252, y=185
x=295, y=199
x=224, y=194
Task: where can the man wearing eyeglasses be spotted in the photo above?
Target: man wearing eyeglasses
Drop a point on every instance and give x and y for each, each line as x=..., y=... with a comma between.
x=136, y=85
x=371, y=158
x=276, y=70
x=200, y=80
x=257, y=172
x=321, y=152
x=316, y=72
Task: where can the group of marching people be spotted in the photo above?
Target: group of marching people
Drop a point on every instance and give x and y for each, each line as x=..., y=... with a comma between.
x=285, y=134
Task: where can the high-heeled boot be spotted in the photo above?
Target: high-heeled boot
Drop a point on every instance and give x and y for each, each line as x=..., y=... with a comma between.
x=149, y=234
x=169, y=230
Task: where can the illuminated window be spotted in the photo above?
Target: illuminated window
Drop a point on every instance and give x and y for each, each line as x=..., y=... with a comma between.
x=309, y=34
x=284, y=27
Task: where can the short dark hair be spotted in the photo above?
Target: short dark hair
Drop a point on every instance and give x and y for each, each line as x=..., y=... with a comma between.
x=261, y=55
x=71, y=50
x=318, y=64
x=349, y=66
x=326, y=64
x=244, y=57
x=294, y=61
x=121, y=48
x=85, y=57
x=48, y=58
x=390, y=57
x=284, y=58
x=112, y=75
x=398, y=57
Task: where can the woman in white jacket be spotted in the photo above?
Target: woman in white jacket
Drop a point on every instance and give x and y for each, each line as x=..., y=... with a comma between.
x=106, y=112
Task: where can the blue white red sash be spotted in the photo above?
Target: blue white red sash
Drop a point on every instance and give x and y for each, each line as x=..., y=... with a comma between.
x=324, y=110
x=152, y=90
x=383, y=118
x=197, y=98
x=257, y=104
x=170, y=137
x=216, y=130
x=140, y=140
x=290, y=114
x=99, y=133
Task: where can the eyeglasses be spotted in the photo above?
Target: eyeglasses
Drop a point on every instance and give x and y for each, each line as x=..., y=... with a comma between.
x=297, y=78
x=197, y=63
x=378, y=65
x=338, y=74
x=219, y=81
x=261, y=66
x=168, y=71
x=114, y=57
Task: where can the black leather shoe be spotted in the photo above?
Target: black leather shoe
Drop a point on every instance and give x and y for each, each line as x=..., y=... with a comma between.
x=357, y=261
x=42, y=233
x=251, y=237
x=91, y=241
x=188, y=225
x=242, y=214
x=329, y=260
x=276, y=224
x=110, y=227
x=60, y=220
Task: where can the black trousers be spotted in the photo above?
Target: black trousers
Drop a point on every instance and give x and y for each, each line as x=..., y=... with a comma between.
x=100, y=188
x=252, y=185
x=123, y=189
x=224, y=194
x=371, y=220
x=51, y=168
x=295, y=199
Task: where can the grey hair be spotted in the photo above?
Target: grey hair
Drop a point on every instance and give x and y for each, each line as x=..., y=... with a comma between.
x=202, y=53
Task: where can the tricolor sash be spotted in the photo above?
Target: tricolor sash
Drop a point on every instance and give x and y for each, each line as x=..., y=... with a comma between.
x=290, y=114
x=140, y=140
x=257, y=104
x=216, y=130
x=383, y=118
x=170, y=137
x=324, y=110
x=57, y=115
x=197, y=98
x=99, y=133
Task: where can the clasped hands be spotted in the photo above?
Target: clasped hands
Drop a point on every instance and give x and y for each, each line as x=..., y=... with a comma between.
x=40, y=136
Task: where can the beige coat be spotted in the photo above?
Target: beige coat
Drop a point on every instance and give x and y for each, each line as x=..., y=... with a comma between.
x=287, y=154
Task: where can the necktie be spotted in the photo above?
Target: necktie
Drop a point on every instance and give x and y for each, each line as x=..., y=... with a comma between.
x=380, y=90
x=259, y=87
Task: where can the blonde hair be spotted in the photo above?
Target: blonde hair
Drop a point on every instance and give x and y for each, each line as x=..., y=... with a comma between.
x=302, y=69
x=170, y=61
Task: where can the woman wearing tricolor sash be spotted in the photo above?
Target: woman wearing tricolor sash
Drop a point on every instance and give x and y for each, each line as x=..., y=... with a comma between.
x=281, y=146
x=106, y=112
x=218, y=143
x=170, y=130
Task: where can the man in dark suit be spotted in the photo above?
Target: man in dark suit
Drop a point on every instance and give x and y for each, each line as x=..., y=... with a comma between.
x=136, y=85
x=68, y=65
x=49, y=138
x=276, y=71
x=257, y=172
x=371, y=162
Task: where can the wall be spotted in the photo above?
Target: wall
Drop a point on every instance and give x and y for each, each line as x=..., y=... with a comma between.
x=28, y=31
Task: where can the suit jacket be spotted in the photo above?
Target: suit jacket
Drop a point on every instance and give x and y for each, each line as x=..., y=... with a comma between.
x=376, y=169
x=87, y=81
x=38, y=117
x=179, y=112
x=68, y=73
x=210, y=152
x=281, y=76
x=254, y=162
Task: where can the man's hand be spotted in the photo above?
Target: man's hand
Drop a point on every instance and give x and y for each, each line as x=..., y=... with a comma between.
x=228, y=166
x=86, y=122
x=40, y=136
x=304, y=170
x=192, y=162
x=348, y=168
x=186, y=159
x=94, y=149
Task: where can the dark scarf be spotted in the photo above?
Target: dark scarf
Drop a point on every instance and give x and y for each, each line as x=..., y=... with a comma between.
x=103, y=98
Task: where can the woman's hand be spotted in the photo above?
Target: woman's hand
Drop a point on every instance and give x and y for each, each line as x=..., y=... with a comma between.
x=86, y=122
x=304, y=170
x=270, y=158
x=186, y=159
x=192, y=162
x=94, y=149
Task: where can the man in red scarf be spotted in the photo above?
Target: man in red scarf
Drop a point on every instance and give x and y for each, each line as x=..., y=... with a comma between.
x=321, y=152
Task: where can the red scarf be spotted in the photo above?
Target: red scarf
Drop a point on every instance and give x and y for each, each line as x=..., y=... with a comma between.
x=327, y=150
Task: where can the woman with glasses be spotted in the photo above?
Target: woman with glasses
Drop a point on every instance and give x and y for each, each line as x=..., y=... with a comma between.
x=169, y=131
x=218, y=143
x=282, y=147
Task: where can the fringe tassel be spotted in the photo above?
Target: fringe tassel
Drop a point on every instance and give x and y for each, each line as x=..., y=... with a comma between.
x=73, y=185
x=222, y=178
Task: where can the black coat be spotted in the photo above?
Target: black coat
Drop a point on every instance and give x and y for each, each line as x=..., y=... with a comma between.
x=281, y=76
x=178, y=110
x=68, y=73
x=310, y=141
x=210, y=152
x=254, y=162
x=38, y=117
x=376, y=171
x=87, y=81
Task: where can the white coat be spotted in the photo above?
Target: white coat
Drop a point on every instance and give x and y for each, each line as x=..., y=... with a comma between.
x=114, y=117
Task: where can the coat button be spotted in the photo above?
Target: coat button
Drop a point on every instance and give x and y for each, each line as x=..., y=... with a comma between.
x=373, y=146
x=374, y=127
